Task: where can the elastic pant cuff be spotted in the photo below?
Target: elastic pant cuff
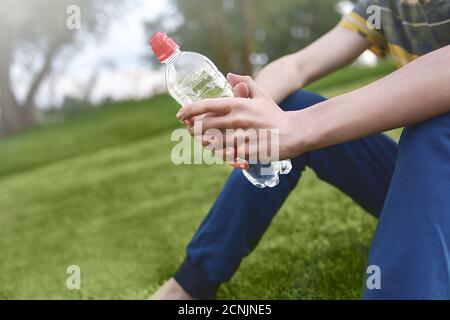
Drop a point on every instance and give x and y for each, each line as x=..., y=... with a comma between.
x=195, y=281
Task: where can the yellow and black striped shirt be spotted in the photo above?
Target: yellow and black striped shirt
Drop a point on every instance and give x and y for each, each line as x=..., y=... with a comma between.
x=407, y=29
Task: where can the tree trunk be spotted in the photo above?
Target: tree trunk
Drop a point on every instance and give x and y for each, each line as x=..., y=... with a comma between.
x=218, y=38
x=28, y=116
x=249, y=33
x=315, y=11
x=226, y=39
x=8, y=104
x=14, y=116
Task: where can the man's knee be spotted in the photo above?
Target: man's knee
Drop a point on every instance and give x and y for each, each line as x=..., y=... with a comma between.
x=412, y=237
x=423, y=133
x=301, y=99
x=424, y=148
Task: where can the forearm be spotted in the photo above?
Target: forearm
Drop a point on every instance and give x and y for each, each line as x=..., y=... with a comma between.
x=334, y=50
x=413, y=94
x=283, y=76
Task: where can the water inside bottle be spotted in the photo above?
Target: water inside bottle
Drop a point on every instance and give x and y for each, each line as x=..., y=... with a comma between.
x=213, y=85
x=203, y=86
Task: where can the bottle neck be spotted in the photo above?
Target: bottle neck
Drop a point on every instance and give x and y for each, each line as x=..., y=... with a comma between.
x=173, y=57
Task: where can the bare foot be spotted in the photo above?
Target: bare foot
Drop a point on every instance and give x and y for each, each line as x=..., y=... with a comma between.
x=171, y=290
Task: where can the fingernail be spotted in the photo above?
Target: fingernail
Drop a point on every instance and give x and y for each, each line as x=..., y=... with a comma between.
x=210, y=145
x=180, y=114
x=243, y=166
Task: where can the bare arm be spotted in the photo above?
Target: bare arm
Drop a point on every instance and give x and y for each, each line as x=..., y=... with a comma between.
x=415, y=93
x=335, y=49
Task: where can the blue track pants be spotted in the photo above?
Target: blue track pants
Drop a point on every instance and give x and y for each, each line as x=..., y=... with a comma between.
x=405, y=185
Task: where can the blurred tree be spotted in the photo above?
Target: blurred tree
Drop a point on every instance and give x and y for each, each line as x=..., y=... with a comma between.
x=230, y=32
x=38, y=29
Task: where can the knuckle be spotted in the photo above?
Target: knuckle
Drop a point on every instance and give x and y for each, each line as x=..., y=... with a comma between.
x=241, y=123
x=186, y=109
x=245, y=123
x=243, y=104
x=234, y=121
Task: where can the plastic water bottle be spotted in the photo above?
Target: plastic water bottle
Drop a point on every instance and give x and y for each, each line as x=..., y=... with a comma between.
x=191, y=77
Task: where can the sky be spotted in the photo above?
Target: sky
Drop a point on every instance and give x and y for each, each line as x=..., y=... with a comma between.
x=118, y=55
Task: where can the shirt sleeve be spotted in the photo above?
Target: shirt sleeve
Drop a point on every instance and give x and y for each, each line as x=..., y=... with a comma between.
x=356, y=21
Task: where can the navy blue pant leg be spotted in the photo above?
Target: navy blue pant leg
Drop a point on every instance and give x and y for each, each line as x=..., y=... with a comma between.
x=362, y=169
x=411, y=246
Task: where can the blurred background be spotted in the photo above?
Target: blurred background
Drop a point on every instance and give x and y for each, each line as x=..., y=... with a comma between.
x=85, y=171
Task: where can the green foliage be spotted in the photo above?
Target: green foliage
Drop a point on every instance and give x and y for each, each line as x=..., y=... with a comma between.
x=290, y=25
x=228, y=31
x=91, y=131
x=353, y=75
x=33, y=35
x=100, y=191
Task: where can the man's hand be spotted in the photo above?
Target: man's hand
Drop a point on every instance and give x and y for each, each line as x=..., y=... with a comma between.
x=248, y=115
x=412, y=94
x=287, y=74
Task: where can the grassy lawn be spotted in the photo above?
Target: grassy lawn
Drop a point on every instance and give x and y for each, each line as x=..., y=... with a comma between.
x=99, y=191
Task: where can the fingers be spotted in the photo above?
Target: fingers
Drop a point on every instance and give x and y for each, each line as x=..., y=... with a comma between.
x=247, y=143
x=235, y=79
x=216, y=139
x=247, y=154
x=216, y=106
x=241, y=90
x=240, y=164
x=214, y=123
x=229, y=154
x=244, y=144
x=232, y=138
x=254, y=90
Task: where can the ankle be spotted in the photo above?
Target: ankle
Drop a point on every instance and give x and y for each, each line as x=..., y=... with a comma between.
x=172, y=290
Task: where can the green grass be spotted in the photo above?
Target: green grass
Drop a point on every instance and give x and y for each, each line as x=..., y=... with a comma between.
x=99, y=191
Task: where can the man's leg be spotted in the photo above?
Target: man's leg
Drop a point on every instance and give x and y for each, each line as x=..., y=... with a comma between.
x=411, y=246
x=242, y=212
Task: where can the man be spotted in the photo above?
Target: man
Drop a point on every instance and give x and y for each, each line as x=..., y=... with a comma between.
x=407, y=186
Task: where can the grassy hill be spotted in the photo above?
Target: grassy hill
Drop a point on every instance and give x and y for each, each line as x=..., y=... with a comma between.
x=99, y=191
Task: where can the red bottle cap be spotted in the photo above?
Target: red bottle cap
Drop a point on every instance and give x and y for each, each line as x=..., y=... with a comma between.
x=163, y=46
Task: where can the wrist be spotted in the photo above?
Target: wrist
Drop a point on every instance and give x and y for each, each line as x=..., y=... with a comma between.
x=293, y=64
x=301, y=67
x=281, y=77
x=312, y=128
x=300, y=135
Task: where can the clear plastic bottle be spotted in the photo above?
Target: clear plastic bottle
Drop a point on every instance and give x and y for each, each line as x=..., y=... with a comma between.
x=191, y=77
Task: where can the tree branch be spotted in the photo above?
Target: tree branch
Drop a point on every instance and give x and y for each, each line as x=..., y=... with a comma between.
x=52, y=51
x=8, y=102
